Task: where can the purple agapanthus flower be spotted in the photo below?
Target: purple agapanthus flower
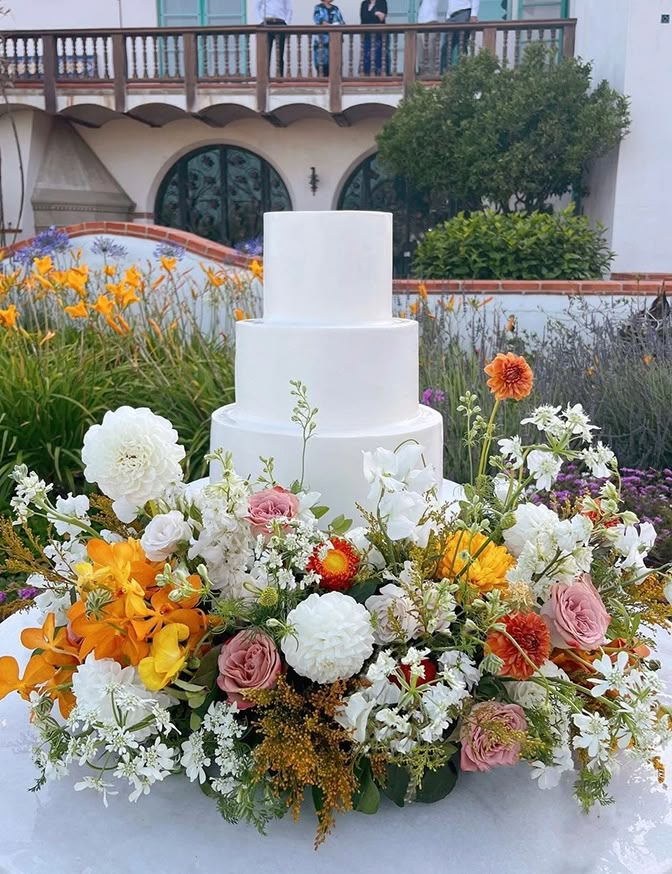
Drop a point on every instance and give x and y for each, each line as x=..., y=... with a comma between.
x=109, y=248
x=28, y=593
x=49, y=242
x=253, y=247
x=169, y=250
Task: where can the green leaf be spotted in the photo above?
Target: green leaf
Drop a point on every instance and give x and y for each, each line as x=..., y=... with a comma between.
x=318, y=512
x=340, y=525
x=207, y=671
x=188, y=687
x=367, y=798
x=396, y=784
x=318, y=798
x=195, y=701
x=437, y=784
x=361, y=591
x=195, y=722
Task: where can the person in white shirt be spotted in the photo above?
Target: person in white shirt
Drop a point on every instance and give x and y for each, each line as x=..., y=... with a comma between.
x=428, y=43
x=457, y=12
x=275, y=13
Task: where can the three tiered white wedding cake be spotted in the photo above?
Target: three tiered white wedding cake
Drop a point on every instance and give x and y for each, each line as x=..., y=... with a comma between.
x=332, y=329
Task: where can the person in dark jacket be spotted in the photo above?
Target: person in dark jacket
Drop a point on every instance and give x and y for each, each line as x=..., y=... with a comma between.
x=375, y=12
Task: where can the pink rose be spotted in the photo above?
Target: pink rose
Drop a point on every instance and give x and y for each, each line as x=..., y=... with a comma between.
x=270, y=504
x=249, y=660
x=576, y=615
x=483, y=749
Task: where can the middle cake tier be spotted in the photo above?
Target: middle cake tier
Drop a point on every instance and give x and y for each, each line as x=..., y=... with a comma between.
x=358, y=376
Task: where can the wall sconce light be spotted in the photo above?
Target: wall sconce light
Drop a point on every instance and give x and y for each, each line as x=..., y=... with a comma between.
x=313, y=180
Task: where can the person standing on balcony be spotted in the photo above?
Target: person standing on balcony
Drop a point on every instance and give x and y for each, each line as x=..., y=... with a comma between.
x=458, y=11
x=428, y=43
x=275, y=13
x=325, y=13
x=375, y=12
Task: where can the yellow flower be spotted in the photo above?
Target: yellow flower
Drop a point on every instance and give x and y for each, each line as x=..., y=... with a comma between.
x=166, y=657
x=9, y=316
x=78, y=312
x=450, y=306
x=7, y=280
x=104, y=305
x=215, y=278
x=168, y=264
x=76, y=279
x=127, y=297
x=257, y=269
x=43, y=265
x=133, y=277
x=109, y=270
x=422, y=291
x=484, y=566
x=238, y=314
x=413, y=308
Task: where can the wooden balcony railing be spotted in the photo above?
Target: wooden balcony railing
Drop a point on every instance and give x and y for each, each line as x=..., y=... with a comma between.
x=119, y=62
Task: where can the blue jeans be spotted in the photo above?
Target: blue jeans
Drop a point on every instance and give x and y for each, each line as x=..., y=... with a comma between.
x=459, y=39
x=381, y=48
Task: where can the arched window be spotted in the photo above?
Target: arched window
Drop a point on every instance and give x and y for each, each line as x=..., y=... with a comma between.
x=222, y=193
x=369, y=186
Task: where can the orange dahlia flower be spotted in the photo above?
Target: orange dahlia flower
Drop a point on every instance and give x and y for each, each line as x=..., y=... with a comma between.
x=531, y=634
x=338, y=567
x=511, y=377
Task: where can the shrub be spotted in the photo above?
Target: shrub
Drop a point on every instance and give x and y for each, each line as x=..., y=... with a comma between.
x=510, y=137
x=490, y=245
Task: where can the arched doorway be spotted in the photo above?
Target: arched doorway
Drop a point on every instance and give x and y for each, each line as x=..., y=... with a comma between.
x=371, y=187
x=221, y=193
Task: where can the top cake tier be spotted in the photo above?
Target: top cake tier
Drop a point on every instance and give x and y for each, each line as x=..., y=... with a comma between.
x=351, y=283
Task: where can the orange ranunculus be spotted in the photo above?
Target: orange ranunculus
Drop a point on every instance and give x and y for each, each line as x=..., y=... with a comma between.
x=531, y=634
x=511, y=377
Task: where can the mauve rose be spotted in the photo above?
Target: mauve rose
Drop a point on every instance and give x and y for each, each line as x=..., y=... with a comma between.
x=482, y=749
x=576, y=615
x=269, y=504
x=249, y=660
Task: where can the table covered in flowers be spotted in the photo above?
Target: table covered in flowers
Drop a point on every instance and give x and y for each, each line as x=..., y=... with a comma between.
x=500, y=822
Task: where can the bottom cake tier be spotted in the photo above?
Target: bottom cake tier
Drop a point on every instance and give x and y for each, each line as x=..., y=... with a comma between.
x=333, y=458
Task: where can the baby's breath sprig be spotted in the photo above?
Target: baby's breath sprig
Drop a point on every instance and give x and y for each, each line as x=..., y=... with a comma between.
x=306, y=417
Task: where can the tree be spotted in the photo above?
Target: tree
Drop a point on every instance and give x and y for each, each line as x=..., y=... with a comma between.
x=509, y=138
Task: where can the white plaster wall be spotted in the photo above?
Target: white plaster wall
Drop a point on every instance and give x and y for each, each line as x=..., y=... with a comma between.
x=293, y=150
x=71, y=14
x=21, y=152
x=631, y=190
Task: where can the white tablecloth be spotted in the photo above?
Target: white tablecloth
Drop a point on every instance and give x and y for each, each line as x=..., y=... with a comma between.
x=499, y=822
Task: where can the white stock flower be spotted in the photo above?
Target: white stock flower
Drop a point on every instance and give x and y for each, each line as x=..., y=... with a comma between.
x=401, y=512
x=357, y=536
x=598, y=459
x=530, y=520
x=577, y=422
x=394, y=615
x=73, y=505
x=133, y=456
x=544, y=467
x=632, y=543
x=162, y=535
x=354, y=715
x=546, y=419
x=501, y=485
x=511, y=449
x=394, y=471
x=331, y=639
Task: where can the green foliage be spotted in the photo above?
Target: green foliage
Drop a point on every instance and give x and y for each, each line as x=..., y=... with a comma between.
x=490, y=245
x=508, y=137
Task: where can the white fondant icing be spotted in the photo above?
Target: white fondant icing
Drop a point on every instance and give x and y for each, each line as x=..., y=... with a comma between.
x=333, y=458
x=381, y=390
x=327, y=322
x=327, y=268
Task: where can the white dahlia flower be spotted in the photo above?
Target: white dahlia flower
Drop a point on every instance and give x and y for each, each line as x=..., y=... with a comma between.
x=133, y=456
x=531, y=520
x=332, y=637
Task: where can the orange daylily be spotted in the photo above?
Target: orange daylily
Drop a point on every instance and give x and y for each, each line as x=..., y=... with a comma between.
x=77, y=312
x=43, y=265
x=215, y=278
x=168, y=264
x=109, y=270
x=9, y=316
x=104, y=305
x=76, y=279
x=422, y=291
x=257, y=269
x=133, y=277
x=238, y=314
